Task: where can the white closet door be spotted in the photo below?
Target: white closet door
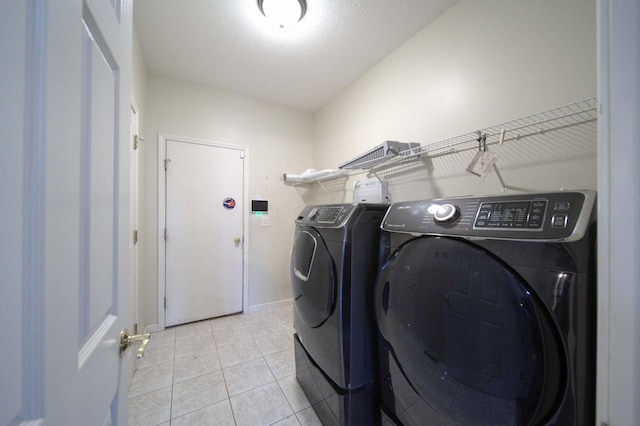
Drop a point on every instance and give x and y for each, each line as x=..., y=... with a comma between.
x=204, y=231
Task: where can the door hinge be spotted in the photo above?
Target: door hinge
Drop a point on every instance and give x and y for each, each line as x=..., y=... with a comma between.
x=166, y=162
x=135, y=241
x=165, y=234
x=165, y=303
x=136, y=138
x=242, y=154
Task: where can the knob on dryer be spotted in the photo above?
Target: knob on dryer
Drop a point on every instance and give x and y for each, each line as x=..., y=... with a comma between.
x=446, y=214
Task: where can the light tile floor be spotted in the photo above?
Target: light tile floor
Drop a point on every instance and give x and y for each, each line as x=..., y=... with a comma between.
x=234, y=370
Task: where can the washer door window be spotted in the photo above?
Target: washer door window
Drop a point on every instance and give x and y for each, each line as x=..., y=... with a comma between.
x=467, y=336
x=312, y=278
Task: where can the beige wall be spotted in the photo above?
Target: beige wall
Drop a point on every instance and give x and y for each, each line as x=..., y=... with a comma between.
x=279, y=139
x=478, y=65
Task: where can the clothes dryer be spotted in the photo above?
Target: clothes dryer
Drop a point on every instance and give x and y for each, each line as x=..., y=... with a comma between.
x=334, y=262
x=486, y=309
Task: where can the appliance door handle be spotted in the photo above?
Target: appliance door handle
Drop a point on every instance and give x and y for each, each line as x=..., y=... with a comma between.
x=385, y=297
x=299, y=274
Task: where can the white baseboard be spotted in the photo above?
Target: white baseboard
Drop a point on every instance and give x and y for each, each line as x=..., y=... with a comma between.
x=272, y=305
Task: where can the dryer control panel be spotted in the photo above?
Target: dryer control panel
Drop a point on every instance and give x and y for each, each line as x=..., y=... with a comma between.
x=333, y=215
x=562, y=216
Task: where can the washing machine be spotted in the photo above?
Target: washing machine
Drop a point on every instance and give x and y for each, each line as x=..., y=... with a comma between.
x=486, y=310
x=334, y=262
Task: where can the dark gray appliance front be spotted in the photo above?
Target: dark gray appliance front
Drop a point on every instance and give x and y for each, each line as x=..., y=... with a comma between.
x=486, y=310
x=334, y=263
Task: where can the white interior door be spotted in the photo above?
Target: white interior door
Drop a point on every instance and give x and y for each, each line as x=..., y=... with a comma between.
x=204, y=231
x=65, y=185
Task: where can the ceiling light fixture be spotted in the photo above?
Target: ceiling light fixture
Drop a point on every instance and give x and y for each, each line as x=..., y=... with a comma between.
x=283, y=13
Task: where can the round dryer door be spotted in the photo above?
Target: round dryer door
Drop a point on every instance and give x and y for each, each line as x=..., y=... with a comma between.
x=312, y=278
x=468, y=341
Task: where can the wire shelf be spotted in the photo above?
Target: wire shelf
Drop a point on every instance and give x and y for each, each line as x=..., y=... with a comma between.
x=553, y=119
x=572, y=114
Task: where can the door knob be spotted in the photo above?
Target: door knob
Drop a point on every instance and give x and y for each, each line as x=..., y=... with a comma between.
x=126, y=340
x=236, y=240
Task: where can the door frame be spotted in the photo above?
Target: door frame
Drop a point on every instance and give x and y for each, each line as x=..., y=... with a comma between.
x=162, y=147
x=134, y=219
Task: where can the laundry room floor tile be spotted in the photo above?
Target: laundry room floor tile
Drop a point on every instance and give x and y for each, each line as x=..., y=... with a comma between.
x=225, y=323
x=248, y=375
x=195, y=345
x=262, y=328
x=231, y=335
x=289, y=421
x=234, y=370
x=151, y=408
x=164, y=337
x=272, y=343
x=193, y=394
x=238, y=353
x=281, y=363
x=261, y=406
x=202, y=328
x=308, y=417
x=191, y=366
x=152, y=378
x=156, y=355
x=217, y=414
x=257, y=317
x=294, y=393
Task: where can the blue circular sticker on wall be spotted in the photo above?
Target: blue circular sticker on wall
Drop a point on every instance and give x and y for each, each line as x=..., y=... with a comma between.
x=229, y=203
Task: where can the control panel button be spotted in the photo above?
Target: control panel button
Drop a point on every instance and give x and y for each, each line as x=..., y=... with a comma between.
x=446, y=214
x=559, y=221
x=536, y=215
x=562, y=206
x=312, y=213
x=535, y=221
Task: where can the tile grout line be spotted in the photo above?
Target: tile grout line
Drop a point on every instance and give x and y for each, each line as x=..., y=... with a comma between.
x=173, y=378
x=224, y=378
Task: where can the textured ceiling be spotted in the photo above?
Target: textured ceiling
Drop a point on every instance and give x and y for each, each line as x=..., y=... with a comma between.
x=228, y=44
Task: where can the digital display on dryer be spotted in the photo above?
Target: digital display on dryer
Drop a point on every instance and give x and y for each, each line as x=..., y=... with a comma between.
x=517, y=214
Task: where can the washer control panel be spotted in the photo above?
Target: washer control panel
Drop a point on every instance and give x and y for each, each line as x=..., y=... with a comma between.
x=547, y=216
x=516, y=214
